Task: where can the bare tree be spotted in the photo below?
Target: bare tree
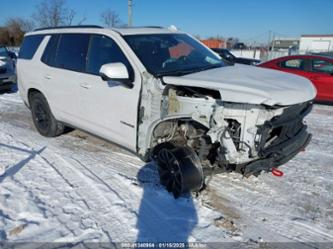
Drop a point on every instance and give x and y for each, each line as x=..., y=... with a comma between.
x=53, y=13
x=14, y=30
x=23, y=24
x=70, y=17
x=4, y=36
x=110, y=18
x=82, y=20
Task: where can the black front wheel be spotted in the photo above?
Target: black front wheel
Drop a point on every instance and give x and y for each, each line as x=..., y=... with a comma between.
x=180, y=170
x=43, y=119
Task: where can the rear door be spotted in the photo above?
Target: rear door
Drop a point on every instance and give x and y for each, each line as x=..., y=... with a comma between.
x=65, y=57
x=322, y=77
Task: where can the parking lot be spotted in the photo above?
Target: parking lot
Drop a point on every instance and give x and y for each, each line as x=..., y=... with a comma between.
x=79, y=188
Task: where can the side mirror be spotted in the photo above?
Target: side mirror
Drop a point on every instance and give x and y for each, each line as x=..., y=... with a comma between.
x=116, y=72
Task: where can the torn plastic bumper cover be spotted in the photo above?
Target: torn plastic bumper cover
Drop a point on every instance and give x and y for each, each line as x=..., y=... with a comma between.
x=281, y=139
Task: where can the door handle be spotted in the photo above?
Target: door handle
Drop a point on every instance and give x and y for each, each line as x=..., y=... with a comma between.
x=85, y=85
x=48, y=77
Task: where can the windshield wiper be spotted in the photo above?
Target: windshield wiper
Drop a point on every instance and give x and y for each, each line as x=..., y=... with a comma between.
x=175, y=73
x=209, y=67
x=187, y=71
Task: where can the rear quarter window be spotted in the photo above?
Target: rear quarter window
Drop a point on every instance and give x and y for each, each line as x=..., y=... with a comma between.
x=29, y=46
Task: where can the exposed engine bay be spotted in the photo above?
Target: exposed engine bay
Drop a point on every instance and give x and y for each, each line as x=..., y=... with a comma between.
x=226, y=136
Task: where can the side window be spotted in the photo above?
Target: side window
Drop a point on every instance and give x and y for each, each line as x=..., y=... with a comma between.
x=322, y=66
x=29, y=46
x=293, y=64
x=72, y=52
x=3, y=51
x=103, y=50
x=50, y=50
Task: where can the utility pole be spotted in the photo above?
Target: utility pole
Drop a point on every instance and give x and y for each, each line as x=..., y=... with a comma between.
x=130, y=4
x=268, y=45
x=273, y=42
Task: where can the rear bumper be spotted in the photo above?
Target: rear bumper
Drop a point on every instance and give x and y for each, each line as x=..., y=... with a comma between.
x=7, y=86
x=4, y=79
x=6, y=82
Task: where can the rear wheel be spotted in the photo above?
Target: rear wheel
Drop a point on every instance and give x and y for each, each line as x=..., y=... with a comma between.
x=179, y=169
x=43, y=119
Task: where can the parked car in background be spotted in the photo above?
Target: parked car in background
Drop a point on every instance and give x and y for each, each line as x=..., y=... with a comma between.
x=230, y=58
x=318, y=69
x=7, y=70
x=239, y=45
x=13, y=56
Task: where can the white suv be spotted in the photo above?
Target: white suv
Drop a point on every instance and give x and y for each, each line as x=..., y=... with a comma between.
x=163, y=95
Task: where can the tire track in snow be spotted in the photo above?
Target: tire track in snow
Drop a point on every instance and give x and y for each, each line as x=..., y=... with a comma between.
x=282, y=224
x=49, y=177
x=159, y=223
x=115, y=197
x=255, y=202
x=100, y=203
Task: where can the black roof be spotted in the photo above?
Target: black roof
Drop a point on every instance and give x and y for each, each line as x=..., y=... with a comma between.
x=94, y=26
x=71, y=27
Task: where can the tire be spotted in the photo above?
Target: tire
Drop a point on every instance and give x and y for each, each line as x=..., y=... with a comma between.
x=43, y=118
x=179, y=169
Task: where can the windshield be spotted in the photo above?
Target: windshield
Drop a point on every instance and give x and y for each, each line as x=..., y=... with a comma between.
x=3, y=51
x=172, y=54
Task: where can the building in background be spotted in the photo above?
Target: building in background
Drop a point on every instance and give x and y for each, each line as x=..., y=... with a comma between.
x=316, y=43
x=285, y=44
x=214, y=43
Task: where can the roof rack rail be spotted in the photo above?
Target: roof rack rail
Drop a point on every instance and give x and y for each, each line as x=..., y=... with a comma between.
x=142, y=27
x=153, y=27
x=71, y=27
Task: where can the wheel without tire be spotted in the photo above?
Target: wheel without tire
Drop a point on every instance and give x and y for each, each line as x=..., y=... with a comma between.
x=180, y=170
x=43, y=119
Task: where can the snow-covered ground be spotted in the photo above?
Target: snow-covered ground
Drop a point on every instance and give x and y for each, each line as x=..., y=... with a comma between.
x=77, y=188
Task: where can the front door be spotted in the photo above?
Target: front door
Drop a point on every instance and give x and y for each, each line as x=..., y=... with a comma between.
x=108, y=108
x=295, y=65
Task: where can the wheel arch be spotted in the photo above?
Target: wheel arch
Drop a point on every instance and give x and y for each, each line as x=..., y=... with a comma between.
x=30, y=93
x=154, y=125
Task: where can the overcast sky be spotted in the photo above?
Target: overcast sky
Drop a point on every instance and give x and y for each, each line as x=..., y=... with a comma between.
x=250, y=20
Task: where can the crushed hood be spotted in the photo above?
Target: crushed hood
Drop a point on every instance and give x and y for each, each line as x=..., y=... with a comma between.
x=249, y=84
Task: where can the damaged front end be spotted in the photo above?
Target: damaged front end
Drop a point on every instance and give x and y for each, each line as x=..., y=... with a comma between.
x=254, y=138
x=279, y=139
x=225, y=136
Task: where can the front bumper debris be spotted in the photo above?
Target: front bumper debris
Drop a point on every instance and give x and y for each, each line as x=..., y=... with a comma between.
x=282, y=138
